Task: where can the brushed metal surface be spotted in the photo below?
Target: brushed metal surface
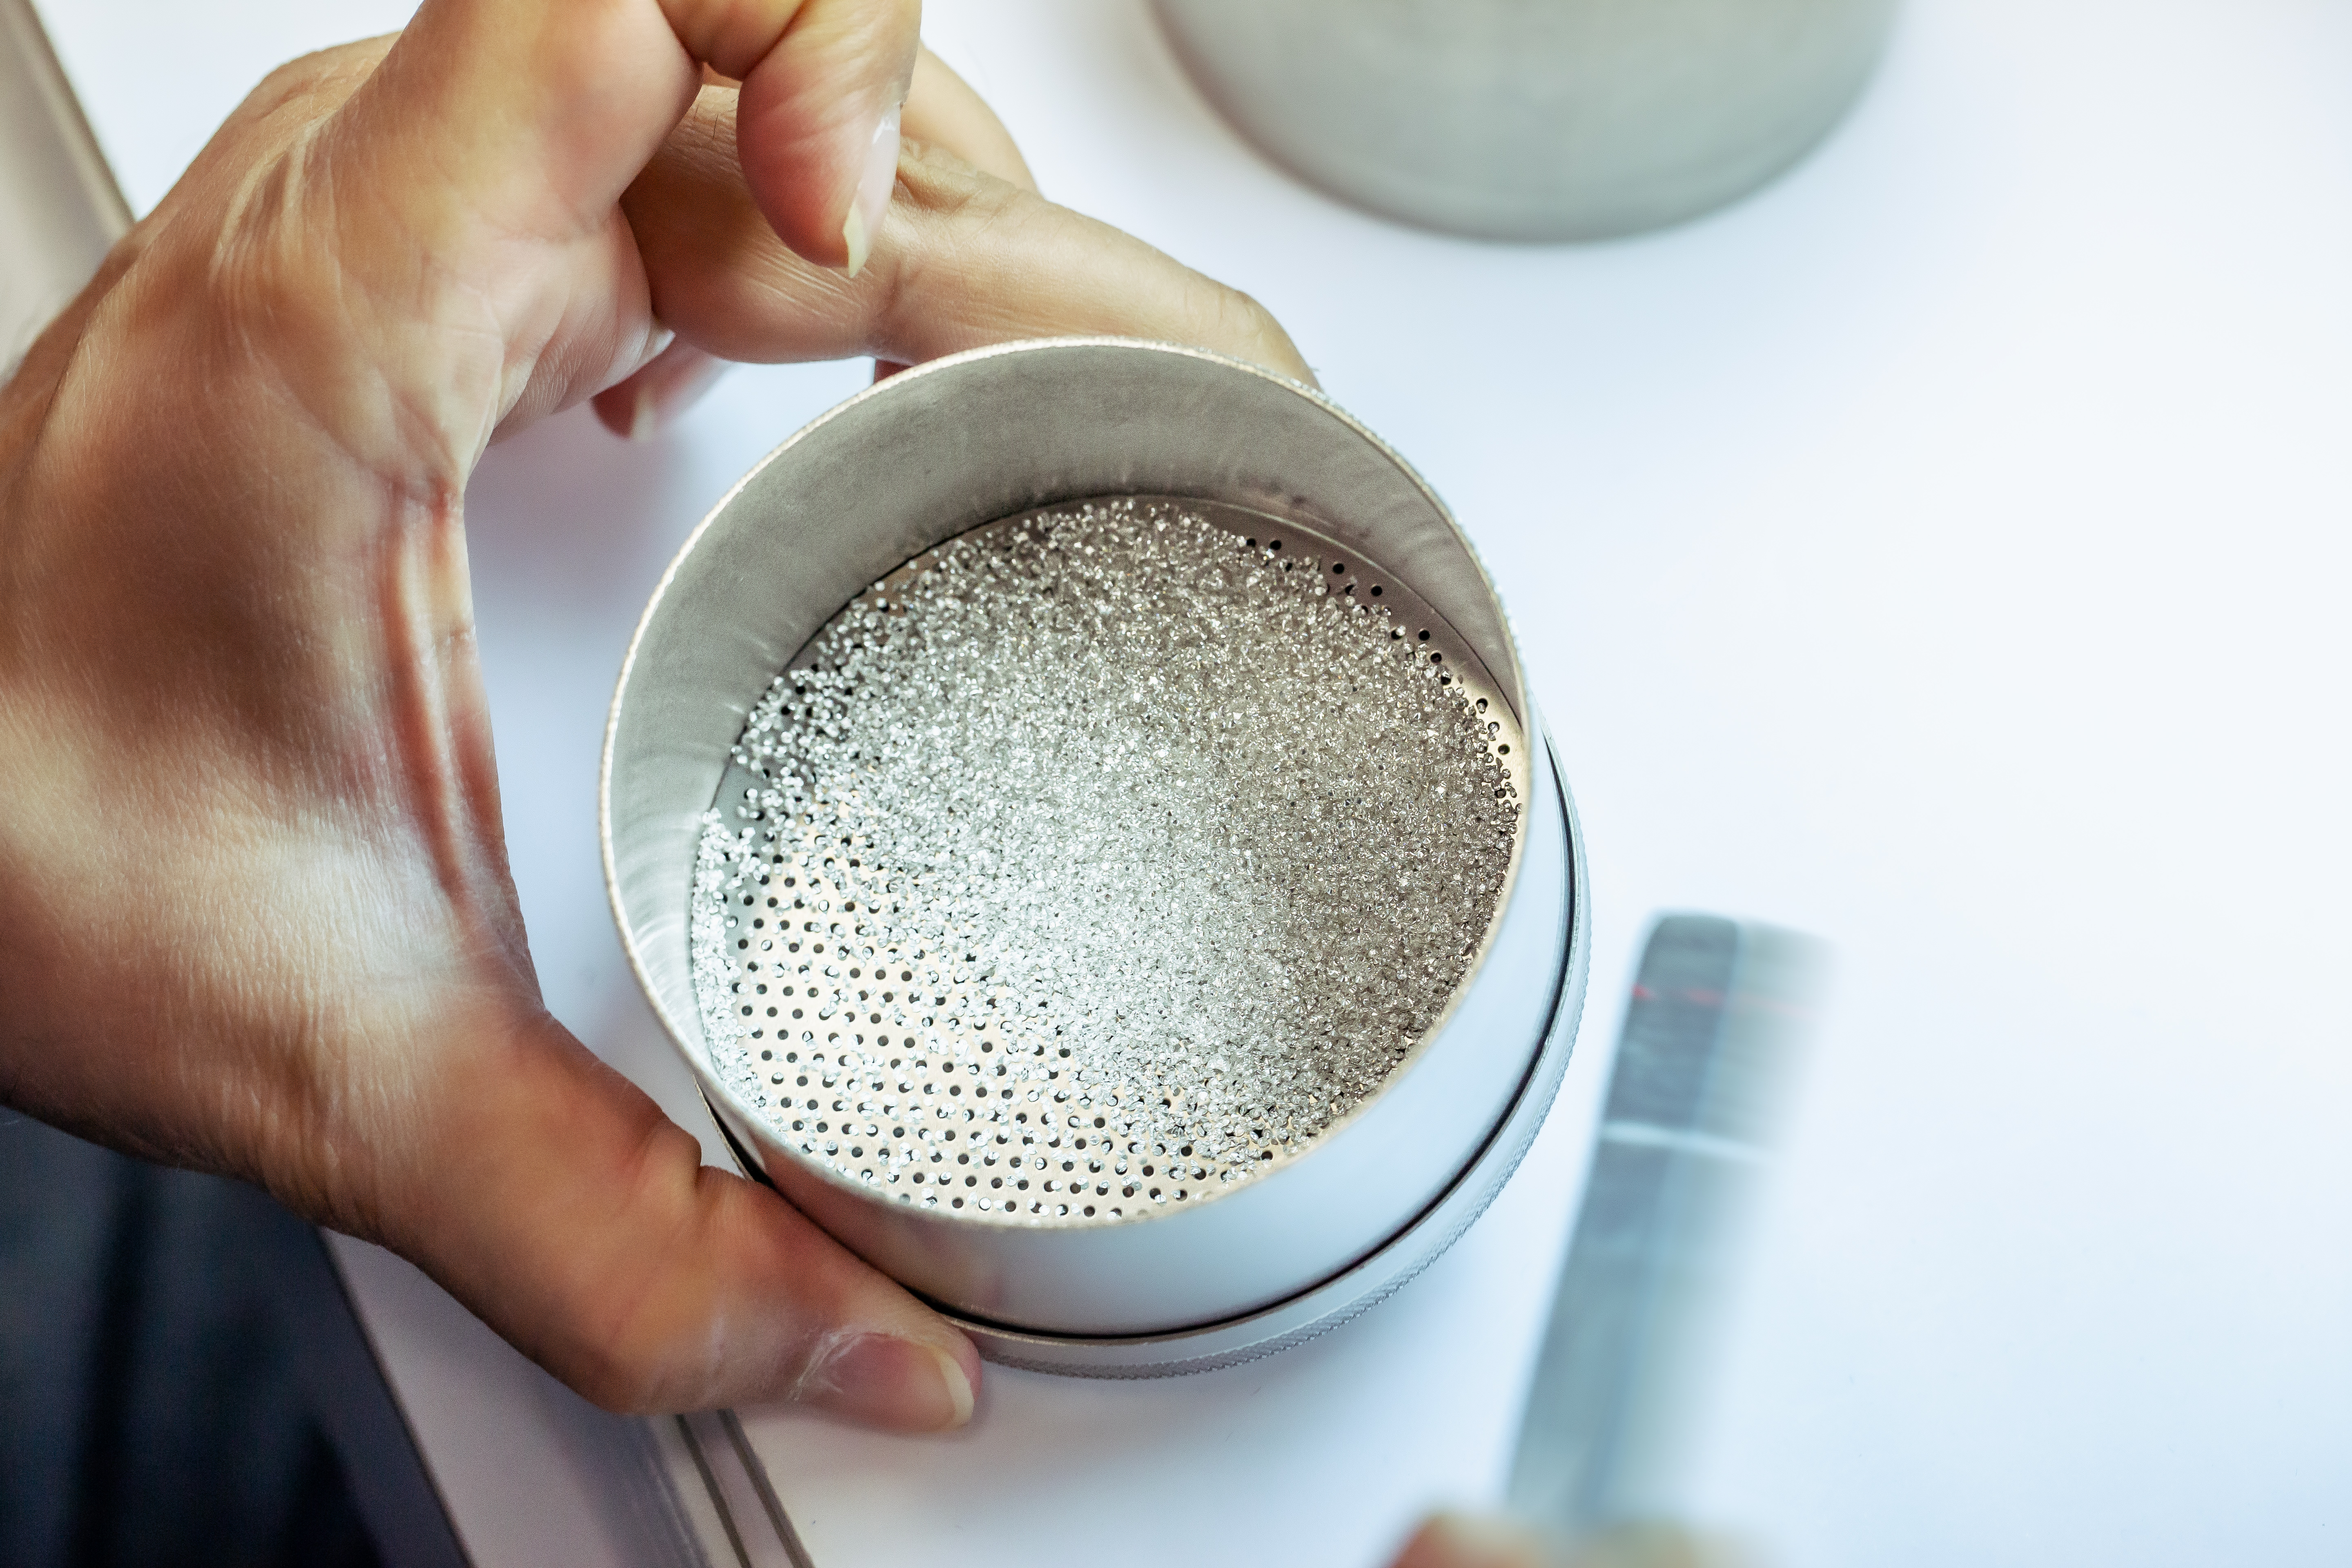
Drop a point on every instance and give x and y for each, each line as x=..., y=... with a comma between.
x=1711, y=1038
x=964, y=441
x=1532, y=118
x=59, y=208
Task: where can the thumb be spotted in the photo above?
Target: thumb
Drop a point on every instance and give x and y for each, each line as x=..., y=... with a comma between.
x=544, y=113
x=553, y=1198
x=817, y=127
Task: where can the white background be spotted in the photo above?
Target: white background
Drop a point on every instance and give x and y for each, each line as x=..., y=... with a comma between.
x=1946, y=551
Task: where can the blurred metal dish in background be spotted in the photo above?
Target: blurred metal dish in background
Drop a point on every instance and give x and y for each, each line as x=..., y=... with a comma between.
x=1538, y=120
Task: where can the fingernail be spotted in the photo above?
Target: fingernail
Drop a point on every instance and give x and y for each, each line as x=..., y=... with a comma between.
x=872, y=198
x=880, y=1380
x=644, y=417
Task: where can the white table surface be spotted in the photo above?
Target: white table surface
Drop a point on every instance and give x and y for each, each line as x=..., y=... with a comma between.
x=1945, y=552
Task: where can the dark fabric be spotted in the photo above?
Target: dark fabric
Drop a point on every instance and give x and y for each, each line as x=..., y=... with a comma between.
x=151, y=1409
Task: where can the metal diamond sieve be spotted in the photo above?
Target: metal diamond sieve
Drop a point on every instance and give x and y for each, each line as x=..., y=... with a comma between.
x=860, y=1114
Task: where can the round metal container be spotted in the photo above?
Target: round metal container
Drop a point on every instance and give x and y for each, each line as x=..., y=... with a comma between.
x=981, y=437
x=1532, y=118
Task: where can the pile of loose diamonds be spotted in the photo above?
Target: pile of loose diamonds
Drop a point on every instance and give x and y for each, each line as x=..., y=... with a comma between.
x=1093, y=862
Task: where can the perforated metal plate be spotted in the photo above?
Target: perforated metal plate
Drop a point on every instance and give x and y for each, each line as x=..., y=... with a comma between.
x=906, y=1069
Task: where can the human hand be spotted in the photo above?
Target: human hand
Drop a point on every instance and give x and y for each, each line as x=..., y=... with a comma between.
x=254, y=911
x=941, y=112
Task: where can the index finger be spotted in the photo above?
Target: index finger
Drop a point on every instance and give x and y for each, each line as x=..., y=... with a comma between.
x=942, y=111
x=965, y=260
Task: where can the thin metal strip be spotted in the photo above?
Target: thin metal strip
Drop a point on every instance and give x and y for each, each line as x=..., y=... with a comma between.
x=758, y=1531
x=1706, y=1049
x=756, y=1469
x=718, y=1495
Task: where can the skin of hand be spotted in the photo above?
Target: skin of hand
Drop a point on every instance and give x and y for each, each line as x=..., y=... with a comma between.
x=941, y=112
x=255, y=915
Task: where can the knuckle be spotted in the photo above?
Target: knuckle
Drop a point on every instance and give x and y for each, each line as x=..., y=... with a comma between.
x=328, y=74
x=286, y=82
x=942, y=209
